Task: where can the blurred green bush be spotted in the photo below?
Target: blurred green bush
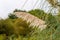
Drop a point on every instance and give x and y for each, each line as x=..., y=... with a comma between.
x=19, y=29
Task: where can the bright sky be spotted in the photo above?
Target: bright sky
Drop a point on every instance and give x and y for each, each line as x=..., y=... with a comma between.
x=7, y=6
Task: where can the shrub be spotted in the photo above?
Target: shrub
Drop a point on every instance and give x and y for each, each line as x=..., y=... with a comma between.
x=6, y=27
x=12, y=16
x=22, y=27
x=17, y=10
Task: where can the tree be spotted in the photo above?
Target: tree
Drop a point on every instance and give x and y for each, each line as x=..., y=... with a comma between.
x=12, y=16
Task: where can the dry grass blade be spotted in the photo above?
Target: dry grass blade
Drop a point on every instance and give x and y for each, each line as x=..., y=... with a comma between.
x=52, y=2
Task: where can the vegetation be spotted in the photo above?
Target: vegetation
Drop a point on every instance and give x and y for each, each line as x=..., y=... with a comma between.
x=38, y=13
x=16, y=10
x=55, y=4
x=14, y=28
x=12, y=16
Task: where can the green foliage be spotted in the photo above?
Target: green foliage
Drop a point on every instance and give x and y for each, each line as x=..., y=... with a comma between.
x=38, y=13
x=56, y=35
x=12, y=16
x=2, y=36
x=48, y=17
x=17, y=10
x=6, y=27
x=51, y=21
x=22, y=27
x=13, y=27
